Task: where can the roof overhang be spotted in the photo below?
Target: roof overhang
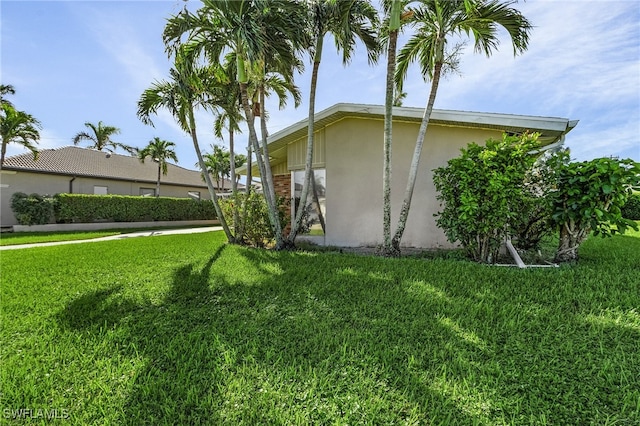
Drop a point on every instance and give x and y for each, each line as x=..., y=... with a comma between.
x=551, y=129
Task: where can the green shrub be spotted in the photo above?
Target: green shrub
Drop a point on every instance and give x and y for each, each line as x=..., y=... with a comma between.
x=532, y=221
x=252, y=211
x=32, y=209
x=482, y=192
x=86, y=208
x=588, y=198
x=631, y=209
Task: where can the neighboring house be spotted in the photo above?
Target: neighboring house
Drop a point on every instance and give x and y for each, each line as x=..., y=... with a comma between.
x=85, y=171
x=348, y=165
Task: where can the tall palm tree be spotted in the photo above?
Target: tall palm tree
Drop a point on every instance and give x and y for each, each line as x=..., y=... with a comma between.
x=6, y=89
x=229, y=117
x=390, y=32
x=18, y=127
x=181, y=95
x=436, y=22
x=160, y=151
x=253, y=31
x=99, y=138
x=348, y=21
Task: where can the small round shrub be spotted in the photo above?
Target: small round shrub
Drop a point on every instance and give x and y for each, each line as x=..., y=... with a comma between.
x=631, y=209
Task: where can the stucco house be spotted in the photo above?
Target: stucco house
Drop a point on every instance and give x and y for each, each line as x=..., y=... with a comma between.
x=348, y=165
x=85, y=171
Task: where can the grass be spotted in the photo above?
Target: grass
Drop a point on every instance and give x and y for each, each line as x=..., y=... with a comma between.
x=19, y=238
x=10, y=239
x=184, y=329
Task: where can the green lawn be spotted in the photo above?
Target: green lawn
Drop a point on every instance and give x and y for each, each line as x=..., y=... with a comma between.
x=18, y=238
x=186, y=330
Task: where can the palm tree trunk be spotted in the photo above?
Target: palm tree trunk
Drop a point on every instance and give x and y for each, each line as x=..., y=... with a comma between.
x=249, y=167
x=158, y=182
x=316, y=199
x=387, y=247
x=2, y=154
x=267, y=186
x=264, y=150
x=413, y=171
x=247, y=191
x=207, y=178
x=234, y=183
x=308, y=165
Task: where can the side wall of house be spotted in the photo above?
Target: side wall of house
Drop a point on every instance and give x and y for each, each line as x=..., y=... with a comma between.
x=11, y=182
x=354, y=180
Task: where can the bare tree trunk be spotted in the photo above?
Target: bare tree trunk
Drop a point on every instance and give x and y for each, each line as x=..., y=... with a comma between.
x=317, y=201
x=234, y=183
x=2, y=154
x=387, y=248
x=263, y=163
x=264, y=150
x=413, y=171
x=308, y=165
x=247, y=192
x=158, y=182
x=571, y=236
x=207, y=178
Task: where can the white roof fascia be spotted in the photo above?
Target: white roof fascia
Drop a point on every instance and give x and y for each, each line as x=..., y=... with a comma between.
x=552, y=124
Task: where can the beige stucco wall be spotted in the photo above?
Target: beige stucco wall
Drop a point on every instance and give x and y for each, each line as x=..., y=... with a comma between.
x=354, y=180
x=11, y=182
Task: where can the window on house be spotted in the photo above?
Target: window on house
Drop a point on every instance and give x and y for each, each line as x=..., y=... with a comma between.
x=316, y=199
x=194, y=194
x=100, y=190
x=148, y=192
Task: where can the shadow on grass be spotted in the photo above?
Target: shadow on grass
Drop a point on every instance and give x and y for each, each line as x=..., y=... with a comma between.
x=318, y=339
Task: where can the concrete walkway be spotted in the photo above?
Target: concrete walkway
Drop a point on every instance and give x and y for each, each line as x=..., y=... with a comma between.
x=152, y=233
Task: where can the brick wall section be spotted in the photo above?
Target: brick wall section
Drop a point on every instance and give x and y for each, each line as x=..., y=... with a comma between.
x=282, y=188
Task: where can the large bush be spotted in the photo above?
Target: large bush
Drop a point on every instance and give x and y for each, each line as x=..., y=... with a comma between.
x=122, y=208
x=631, y=209
x=482, y=192
x=589, y=197
x=32, y=209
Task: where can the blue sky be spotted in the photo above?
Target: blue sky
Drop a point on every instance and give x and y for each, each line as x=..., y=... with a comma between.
x=78, y=61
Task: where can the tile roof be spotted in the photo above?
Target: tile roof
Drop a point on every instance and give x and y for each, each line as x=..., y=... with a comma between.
x=76, y=161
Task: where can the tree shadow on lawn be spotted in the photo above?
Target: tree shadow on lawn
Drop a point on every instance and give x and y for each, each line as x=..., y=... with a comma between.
x=360, y=344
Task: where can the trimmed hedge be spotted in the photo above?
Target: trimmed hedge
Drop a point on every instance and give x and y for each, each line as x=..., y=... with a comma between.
x=33, y=209
x=631, y=209
x=85, y=208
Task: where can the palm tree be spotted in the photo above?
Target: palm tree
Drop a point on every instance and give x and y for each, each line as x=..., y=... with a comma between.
x=398, y=98
x=229, y=117
x=6, y=89
x=100, y=138
x=392, y=27
x=186, y=91
x=253, y=31
x=18, y=127
x=160, y=151
x=347, y=21
x=435, y=22
x=218, y=164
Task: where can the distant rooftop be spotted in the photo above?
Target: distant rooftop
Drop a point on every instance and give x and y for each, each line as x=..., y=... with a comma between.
x=77, y=161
